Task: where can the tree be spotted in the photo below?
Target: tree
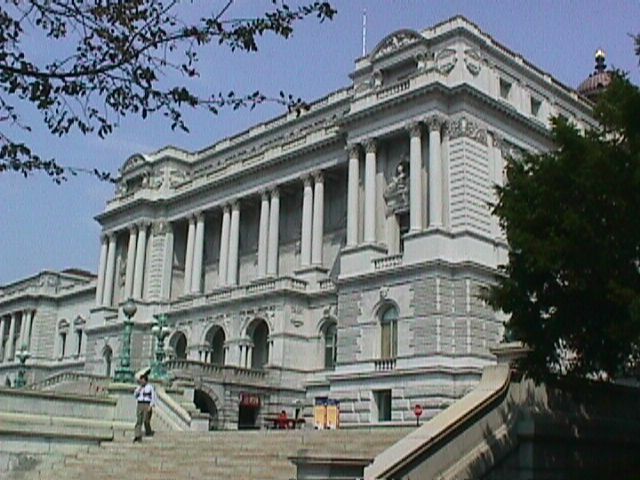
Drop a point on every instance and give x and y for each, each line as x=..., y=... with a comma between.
x=572, y=284
x=113, y=60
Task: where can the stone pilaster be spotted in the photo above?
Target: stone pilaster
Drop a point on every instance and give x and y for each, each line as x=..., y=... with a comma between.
x=318, y=219
x=141, y=253
x=198, y=255
x=104, y=247
x=307, y=220
x=263, y=235
x=224, y=245
x=274, y=220
x=188, y=262
x=435, y=172
x=234, y=244
x=107, y=298
x=352, y=195
x=370, y=192
x=131, y=262
x=415, y=180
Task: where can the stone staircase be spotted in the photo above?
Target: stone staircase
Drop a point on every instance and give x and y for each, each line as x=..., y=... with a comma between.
x=260, y=455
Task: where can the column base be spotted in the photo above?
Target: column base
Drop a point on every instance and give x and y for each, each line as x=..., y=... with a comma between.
x=357, y=260
x=312, y=275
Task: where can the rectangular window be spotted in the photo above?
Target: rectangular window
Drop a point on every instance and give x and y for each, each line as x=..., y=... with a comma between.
x=505, y=89
x=535, y=107
x=382, y=399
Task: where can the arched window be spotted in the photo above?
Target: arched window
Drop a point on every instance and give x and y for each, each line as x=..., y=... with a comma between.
x=259, y=334
x=179, y=345
x=214, y=340
x=389, y=332
x=330, y=337
x=107, y=356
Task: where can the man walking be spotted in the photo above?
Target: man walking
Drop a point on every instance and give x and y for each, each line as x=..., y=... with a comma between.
x=146, y=397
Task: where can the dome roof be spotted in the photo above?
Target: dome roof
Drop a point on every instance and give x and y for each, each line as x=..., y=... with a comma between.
x=598, y=81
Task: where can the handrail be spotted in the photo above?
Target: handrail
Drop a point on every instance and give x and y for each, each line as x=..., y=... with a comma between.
x=493, y=387
x=173, y=412
x=60, y=377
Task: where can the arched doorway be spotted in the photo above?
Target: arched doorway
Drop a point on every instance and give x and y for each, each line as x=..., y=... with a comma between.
x=214, y=340
x=179, y=345
x=258, y=331
x=206, y=404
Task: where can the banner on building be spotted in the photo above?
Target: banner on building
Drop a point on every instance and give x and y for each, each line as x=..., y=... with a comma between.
x=333, y=414
x=320, y=413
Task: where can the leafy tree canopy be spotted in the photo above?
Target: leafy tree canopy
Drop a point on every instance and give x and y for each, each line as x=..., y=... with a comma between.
x=105, y=59
x=571, y=216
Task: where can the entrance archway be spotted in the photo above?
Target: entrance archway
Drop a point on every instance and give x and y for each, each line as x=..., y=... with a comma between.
x=206, y=404
x=259, y=333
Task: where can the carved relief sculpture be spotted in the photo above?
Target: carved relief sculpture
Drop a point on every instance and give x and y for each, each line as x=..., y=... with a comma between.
x=396, y=194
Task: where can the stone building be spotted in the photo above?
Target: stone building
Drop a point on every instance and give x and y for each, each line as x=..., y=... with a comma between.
x=337, y=253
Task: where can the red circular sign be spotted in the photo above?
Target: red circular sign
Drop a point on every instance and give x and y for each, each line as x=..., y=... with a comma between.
x=417, y=410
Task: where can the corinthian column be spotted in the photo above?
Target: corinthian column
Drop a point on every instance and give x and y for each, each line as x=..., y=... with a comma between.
x=188, y=258
x=307, y=212
x=234, y=244
x=370, y=192
x=263, y=235
x=274, y=219
x=198, y=255
x=131, y=259
x=318, y=219
x=415, y=181
x=107, y=298
x=435, y=173
x=141, y=251
x=104, y=247
x=352, y=195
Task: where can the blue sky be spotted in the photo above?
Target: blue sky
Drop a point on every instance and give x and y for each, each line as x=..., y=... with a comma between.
x=46, y=226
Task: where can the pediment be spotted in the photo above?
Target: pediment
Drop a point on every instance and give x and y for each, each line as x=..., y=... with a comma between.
x=395, y=41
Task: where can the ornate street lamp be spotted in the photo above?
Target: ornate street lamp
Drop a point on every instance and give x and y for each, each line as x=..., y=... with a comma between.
x=160, y=331
x=23, y=355
x=124, y=374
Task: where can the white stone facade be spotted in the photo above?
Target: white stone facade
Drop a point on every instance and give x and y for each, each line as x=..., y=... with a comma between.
x=340, y=252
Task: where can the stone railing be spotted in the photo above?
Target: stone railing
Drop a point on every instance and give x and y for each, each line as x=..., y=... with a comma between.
x=326, y=284
x=387, y=262
x=226, y=373
x=385, y=365
x=393, y=89
x=95, y=384
x=240, y=292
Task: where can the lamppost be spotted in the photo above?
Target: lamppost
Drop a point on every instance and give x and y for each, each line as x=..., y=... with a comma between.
x=160, y=331
x=124, y=374
x=23, y=355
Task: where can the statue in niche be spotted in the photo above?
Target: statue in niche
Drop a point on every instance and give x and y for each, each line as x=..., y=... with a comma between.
x=396, y=194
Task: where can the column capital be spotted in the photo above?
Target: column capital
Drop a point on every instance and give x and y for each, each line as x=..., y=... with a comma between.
x=143, y=224
x=371, y=145
x=235, y=204
x=414, y=128
x=354, y=150
x=264, y=194
x=275, y=192
x=435, y=122
x=133, y=228
x=226, y=207
x=306, y=180
x=318, y=176
x=199, y=215
x=111, y=235
x=104, y=237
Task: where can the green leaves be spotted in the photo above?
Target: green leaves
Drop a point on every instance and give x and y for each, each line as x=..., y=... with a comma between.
x=572, y=285
x=118, y=62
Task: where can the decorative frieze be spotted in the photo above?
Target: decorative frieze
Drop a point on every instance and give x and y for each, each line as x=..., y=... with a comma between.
x=464, y=127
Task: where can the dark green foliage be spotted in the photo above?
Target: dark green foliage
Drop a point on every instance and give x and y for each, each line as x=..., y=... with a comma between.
x=572, y=219
x=111, y=59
